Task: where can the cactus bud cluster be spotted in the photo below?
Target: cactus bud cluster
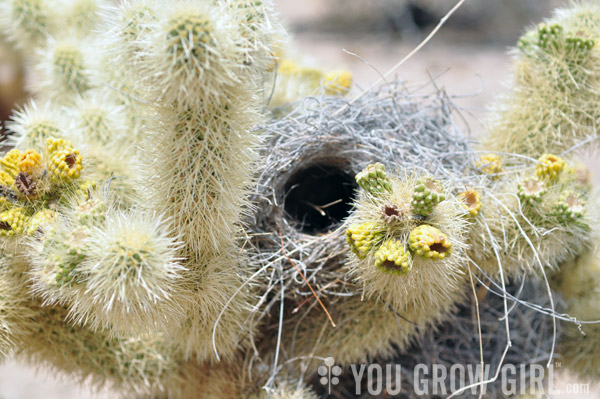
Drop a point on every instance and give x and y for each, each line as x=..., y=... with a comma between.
x=490, y=164
x=569, y=209
x=429, y=242
x=374, y=179
x=549, y=166
x=363, y=237
x=427, y=194
x=530, y=190
x=392, y=257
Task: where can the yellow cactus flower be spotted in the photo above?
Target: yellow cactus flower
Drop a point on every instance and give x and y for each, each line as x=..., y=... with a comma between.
x=287, y=67
x=6, y=179
x=337, y=83
x=39, y=219
x=65, y=165
x=471, y=201
x=12, y=222
x=490, y=164
x=310, y=75
x=549, y=166
x=429, y=242
x=10, y=162
x=31, y=162
x=362, y=237
x=54, y=144
x=64, y=162
x=393, y=258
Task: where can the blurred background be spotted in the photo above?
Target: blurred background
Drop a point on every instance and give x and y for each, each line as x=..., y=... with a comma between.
x=468, y=58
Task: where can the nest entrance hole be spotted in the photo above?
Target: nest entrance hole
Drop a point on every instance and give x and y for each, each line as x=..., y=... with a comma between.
x=319, y=196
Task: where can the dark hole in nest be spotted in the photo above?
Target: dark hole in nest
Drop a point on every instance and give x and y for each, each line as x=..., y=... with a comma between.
x=439, y=248
x=319, y=197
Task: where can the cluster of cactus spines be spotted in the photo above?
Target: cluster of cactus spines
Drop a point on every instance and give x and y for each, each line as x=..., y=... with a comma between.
x=112, y=269
x=471, y=201
x=555, y=86
x=64, y=71
x=390, y=259
x=374, y=179
x=427, y=194
x=28, y=21
x=33, y=124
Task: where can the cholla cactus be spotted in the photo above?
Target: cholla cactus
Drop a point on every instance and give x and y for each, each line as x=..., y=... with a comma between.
x=556, y=83
x=537, y=223
x=35, y=123
x=401, y=258
x=64, y=70
x=28, y=21
x=113, y=270
x=127, y=273
x=579, y=283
